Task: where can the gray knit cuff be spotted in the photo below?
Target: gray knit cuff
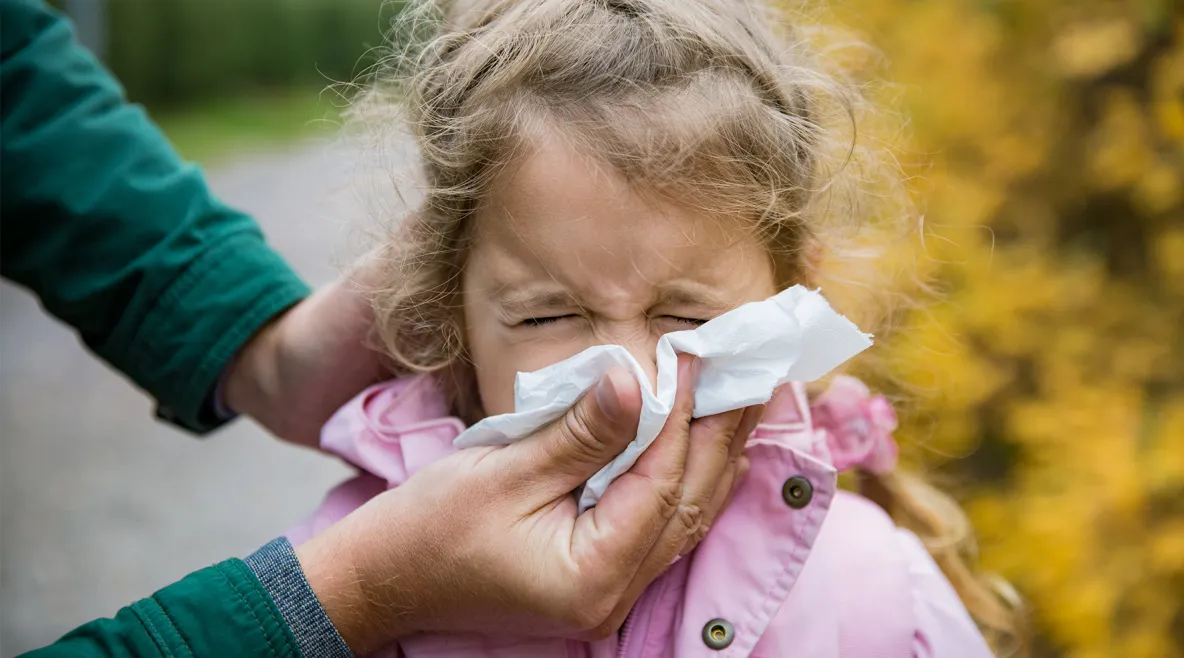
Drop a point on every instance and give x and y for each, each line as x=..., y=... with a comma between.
x=276, y=567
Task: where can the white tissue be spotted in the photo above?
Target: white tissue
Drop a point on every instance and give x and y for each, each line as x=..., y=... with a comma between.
x=746, y=353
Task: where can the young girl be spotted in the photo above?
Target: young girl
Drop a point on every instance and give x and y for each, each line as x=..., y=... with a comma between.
x=604, y=172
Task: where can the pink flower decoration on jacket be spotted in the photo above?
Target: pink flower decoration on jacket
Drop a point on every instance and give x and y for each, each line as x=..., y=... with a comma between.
x=859, y=426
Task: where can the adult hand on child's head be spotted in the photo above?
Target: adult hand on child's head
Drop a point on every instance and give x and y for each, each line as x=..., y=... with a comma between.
x=489, y=538
x=299, y=369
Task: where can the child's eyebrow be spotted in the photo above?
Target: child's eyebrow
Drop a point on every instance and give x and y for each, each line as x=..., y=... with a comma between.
x=696, y=296
x=533, y=301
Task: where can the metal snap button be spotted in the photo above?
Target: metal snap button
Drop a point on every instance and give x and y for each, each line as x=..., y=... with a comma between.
x=797, y=492
x=718, y=634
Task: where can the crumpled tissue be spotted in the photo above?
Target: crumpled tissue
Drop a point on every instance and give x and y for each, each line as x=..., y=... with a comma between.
x=745, y=355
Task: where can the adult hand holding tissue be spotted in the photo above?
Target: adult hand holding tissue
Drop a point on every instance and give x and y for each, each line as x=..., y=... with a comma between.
x=745, y=355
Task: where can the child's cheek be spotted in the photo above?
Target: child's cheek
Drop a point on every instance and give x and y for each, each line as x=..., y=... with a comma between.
x=497, y=367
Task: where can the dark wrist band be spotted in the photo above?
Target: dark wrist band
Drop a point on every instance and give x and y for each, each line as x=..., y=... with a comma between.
x=276, y=567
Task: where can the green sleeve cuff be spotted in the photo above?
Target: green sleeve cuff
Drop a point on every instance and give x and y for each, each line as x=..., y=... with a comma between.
x=195, y=327
x=219, y=611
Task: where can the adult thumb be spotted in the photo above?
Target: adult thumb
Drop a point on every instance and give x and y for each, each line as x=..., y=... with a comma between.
x=564, y=454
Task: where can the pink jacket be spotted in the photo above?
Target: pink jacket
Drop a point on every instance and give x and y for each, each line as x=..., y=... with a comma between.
x=793, y=567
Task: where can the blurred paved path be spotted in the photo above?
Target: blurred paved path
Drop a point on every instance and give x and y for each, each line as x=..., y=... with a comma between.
x=99, y=504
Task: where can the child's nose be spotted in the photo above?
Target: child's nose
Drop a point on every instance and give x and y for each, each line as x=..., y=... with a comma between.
x=645, y=356
x=640, y=342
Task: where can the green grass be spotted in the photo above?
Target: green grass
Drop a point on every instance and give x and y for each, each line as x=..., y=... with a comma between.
x=213, y=131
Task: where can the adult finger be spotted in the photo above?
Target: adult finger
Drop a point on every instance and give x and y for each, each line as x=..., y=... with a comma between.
x=661, y=471
x=725, y=486
x=708, y=459
x=564, y=454
x=752, y=417
x=636, y=507
x=732, y=478
x=710, y=455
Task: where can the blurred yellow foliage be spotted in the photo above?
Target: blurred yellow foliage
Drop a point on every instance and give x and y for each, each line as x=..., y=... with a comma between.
x=1048, y=381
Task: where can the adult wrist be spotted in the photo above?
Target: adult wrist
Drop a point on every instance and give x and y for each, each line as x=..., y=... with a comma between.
x=333, y=576
x=252, y=375
x=365, y=584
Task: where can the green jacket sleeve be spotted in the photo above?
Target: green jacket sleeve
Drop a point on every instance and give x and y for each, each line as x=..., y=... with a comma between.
x=116, y=235
x=216, y=612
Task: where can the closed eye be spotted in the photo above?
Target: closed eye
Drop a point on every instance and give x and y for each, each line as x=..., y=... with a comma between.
x=694, y=322
x=538, y=322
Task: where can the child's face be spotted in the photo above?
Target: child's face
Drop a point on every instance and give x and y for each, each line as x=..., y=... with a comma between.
x=566, y=256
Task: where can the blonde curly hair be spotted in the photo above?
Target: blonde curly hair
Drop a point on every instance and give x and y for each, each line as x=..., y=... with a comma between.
x=726, y=105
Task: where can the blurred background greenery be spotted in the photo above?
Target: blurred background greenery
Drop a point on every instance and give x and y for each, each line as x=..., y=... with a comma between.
x=226, y=75
x=1052, y=370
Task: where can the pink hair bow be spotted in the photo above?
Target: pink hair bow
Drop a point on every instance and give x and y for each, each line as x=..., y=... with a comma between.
x=859, y=426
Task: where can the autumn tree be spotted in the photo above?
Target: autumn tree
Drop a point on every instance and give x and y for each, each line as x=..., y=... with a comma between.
x=1047, y=382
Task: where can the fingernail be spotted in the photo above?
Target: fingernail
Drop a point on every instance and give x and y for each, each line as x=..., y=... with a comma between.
x=607, y=397
x=696, y=362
